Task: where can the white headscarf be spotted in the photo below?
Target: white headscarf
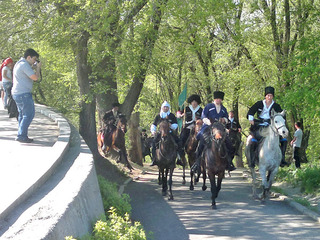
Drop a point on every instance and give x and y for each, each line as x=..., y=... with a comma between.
x=164, y=114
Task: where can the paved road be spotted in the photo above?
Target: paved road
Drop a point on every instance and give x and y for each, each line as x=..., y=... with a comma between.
x=238, y=216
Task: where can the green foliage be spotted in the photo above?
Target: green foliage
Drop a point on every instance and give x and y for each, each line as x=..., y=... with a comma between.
x=118, y=227
x=308, y=177
x=111, y=197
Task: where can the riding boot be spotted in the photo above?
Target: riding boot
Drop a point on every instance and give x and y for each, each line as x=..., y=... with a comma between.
x=154, y=147
x=283, y=147
x=154, y=161
x=230, y=154
x=196, y=167
x=230, y=166
x=180, y=152
x=253, y=153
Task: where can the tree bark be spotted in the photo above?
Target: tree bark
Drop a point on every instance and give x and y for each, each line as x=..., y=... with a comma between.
x=87, y=123
x=135, y=152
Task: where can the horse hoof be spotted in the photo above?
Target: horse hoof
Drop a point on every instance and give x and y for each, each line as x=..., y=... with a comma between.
x=204, y=188
x=213, y=207
x=184, y=182
x=170, y=198
x=191, y=188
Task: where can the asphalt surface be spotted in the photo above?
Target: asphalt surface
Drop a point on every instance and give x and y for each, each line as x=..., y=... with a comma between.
x=239, y=216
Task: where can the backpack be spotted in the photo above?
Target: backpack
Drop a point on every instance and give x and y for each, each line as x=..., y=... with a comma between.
x=12, y=108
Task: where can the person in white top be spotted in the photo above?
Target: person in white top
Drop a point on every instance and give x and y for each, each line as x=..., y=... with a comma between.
x=6, y=75
x=296, y=143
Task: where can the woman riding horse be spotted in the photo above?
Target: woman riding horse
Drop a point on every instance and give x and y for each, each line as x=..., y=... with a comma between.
x=166, y=155
x=165, y=114
x=263, y=109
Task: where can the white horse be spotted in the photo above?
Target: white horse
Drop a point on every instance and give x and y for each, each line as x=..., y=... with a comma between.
x=269, y=152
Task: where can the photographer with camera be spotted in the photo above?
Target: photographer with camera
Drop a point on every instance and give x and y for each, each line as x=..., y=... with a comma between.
x=23, y=78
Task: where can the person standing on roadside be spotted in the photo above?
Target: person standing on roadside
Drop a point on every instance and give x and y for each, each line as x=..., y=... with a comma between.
x=23, y=78
x=6, y=74
x=296, y=143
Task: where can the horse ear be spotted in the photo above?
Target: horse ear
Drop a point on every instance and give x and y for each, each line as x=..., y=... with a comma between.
x=283, y=113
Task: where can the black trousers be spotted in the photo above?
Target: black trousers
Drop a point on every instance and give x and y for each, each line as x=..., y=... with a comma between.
x=296, y=156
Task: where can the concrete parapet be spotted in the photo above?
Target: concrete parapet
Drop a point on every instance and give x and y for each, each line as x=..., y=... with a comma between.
x=65, y=200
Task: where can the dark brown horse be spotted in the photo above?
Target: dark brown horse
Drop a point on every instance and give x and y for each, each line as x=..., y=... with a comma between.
x=215, y=161
x=166, y=156
x=117, y=141
x=191, y=147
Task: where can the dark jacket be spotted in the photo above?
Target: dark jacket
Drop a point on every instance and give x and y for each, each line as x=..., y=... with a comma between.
x=171, y=118
x=258, y=107
x=109, y=117
x=188, y=116
x=233, y=126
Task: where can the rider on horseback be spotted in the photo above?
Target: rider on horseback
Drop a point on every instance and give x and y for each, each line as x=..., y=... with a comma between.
x=110, y=120
x=165, y=114
x=192, y=114
x=234, y=131
x=263, y=110
x=213, y=112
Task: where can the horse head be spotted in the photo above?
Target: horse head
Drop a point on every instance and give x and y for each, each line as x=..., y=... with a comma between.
x=278, y=123
x=164, y=128
x=198, y=125
x=218, y=132
x=122, y=123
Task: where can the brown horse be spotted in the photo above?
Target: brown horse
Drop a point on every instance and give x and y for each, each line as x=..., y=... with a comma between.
x=118, y=141
x=166, y=156
x=215, y=161
x=191, y=147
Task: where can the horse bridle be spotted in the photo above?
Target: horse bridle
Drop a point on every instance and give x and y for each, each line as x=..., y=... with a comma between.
x=276, y=129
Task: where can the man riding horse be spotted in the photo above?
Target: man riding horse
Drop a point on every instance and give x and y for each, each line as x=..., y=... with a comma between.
x=234, y=131
x=110, y=119
x=166, y=115
x=263, y=109
x=191, y=114
x=213, y=112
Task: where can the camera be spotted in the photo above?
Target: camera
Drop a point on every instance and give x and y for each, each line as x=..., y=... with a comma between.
x=36, y=62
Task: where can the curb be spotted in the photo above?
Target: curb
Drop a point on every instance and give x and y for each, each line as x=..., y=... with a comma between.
x=292, y=203
x=302, y=209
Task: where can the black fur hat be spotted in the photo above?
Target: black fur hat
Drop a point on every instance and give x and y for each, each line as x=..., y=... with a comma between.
x=218, y=94
x=268, y=90
x=194, y=97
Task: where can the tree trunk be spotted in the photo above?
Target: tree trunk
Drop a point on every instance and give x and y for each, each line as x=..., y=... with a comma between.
x=87, y=123
x=135, y=152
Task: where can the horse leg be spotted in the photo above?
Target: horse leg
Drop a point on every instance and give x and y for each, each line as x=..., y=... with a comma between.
x=191, y=180
x=263, y=175
x=170, y=184
x=214, y=192
x=204, y=177
x=164, y=173
x=184, y=170
x=219, y=182
x=159, y=177
x=254, y=182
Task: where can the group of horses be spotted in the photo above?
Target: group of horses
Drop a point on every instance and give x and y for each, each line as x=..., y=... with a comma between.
x=214, y=158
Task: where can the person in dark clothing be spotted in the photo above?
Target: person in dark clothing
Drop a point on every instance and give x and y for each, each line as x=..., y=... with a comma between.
x=191, y=114
x=213, y=112
x=234, y=131
x=110, y=119
x=263, y=110
x=165, y=114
